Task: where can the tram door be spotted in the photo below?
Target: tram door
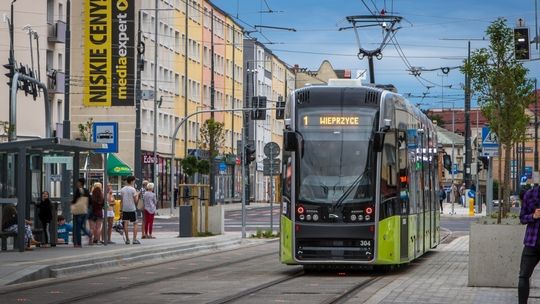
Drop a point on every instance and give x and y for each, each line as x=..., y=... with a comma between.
x=403, y=194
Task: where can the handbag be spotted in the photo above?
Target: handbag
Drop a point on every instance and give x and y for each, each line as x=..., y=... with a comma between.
x=140, y=203
x=80, y=206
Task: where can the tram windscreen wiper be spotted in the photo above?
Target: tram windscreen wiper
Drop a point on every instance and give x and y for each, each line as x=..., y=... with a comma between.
x=349, y=189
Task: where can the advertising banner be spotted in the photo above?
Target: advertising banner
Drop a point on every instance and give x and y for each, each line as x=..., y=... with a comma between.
x=109, y=53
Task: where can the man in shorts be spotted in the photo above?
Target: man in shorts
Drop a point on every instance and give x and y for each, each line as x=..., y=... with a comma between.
x=130, y=197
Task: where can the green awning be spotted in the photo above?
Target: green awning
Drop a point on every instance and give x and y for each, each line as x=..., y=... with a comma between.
x=116, y=167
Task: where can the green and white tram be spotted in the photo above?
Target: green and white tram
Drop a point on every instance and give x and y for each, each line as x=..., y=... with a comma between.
x=359, y=178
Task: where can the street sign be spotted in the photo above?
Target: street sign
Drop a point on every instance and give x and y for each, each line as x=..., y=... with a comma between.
x=490, y=143
x=271, y=149
x=105, y=133
x=222, y=168
x=271, y=166
x=68, y=160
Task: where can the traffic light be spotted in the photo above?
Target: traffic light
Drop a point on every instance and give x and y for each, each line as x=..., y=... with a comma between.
x=258, y=102
x=447, y=162
x=521, y=43
x=280, y=108
x=11, y=71
x=249, y=154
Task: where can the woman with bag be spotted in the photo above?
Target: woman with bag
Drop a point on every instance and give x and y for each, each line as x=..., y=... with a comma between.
x=79, y=209
x=96, y=214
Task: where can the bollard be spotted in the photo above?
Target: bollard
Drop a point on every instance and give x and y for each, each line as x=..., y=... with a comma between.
x=471, y=206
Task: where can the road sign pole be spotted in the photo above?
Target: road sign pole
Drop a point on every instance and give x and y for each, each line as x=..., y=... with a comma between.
x=271, y=194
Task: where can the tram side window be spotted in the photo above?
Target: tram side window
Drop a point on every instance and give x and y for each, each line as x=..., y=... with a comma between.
x=389, y=178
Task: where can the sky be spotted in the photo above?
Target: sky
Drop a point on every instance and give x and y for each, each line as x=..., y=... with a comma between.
x=432, y=35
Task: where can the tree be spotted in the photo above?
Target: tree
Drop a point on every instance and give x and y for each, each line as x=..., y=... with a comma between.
x=437, y=118
x=212, y=134
x=85, y=130
x=500, y=83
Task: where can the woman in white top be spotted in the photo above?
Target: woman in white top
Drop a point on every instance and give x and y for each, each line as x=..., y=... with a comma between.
x=149, y=199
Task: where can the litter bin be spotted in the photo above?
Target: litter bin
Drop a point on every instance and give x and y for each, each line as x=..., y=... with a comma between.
x=184, y=218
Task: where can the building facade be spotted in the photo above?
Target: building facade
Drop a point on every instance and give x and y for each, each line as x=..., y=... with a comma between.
x=179, y=73
x=268, y=76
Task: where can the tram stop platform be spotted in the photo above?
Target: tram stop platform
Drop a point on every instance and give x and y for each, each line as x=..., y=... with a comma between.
x=438, y=277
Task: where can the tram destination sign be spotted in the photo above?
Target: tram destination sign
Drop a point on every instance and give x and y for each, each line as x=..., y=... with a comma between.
x=329, y=120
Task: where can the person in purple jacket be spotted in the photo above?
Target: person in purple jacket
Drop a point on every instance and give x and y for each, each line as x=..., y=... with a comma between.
x=530, y=216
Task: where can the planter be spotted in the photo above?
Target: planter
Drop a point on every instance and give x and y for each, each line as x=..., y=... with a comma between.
x=495, y=254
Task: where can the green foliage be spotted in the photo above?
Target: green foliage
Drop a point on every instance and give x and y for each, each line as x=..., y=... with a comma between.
x=438, y=118
x=213, y=136
x=265, y=234
x=503, y=90
x=203, y=166
x=190, y=165
x=85, y=130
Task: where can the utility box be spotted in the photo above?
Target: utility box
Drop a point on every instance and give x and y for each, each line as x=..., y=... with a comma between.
x=184, y=217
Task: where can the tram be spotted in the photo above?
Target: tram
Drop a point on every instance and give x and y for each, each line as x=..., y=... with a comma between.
x=359, y=178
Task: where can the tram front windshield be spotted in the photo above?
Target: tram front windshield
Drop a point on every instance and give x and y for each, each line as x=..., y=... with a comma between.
x=334, y=166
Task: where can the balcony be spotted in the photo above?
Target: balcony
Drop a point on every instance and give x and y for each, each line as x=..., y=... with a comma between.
x=56, y=81
x=56, y=32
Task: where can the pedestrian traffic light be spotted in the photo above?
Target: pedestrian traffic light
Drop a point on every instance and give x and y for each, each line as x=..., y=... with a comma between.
x=11, y=70
x=479, y=166
x=521, y=43
x=258, y=102
x=447, y=162
x=485, y=162
x=280, y=108
x=249, y=154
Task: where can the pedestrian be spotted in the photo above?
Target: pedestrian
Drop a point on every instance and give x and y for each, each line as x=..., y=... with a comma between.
x=530, y=216
x=130, y=197
x=140, y=205
x=455, y=194
x=462, y=194
x=45, y=215
x=96, y=217
x=63, y=230
x=11, y=224
x=149, y=211
x=110, y=212
x=442, y=197
x=79, y=209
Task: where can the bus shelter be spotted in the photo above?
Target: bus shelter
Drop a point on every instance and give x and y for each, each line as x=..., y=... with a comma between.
x=21, y=173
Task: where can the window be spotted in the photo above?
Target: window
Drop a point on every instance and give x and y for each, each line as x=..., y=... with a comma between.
x=177, y=42
x=176, y=84
x=60, y=11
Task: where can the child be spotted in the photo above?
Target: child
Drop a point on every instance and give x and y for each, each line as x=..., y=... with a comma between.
x=63, y=230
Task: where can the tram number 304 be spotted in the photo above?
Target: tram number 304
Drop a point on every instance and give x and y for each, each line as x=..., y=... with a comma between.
x=365, y=243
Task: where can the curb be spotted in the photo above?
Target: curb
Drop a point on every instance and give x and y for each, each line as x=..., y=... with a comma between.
x=118, y=258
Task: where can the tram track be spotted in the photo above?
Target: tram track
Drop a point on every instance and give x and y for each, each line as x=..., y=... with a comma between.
x=338, y=298
x=114, y=288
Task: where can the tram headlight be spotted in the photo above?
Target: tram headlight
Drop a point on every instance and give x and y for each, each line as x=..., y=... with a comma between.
x=360, y=217
x=301, y=217
x=315, y=217
x=300, y=209
x=353, y=217
x=367, y=217
x=308, y=217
